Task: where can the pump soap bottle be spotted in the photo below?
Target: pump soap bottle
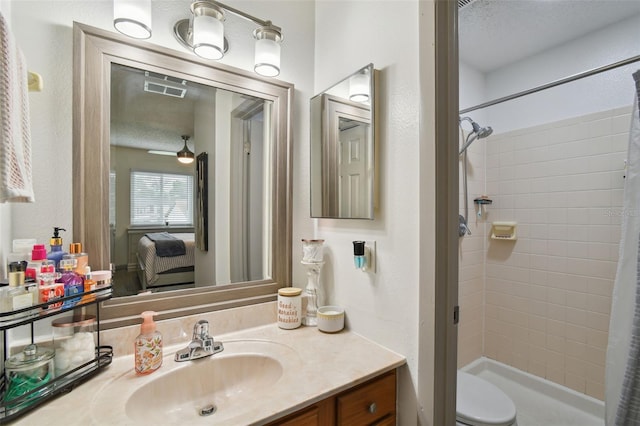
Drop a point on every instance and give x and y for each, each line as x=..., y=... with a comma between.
x=148, y=346
x=56, y=254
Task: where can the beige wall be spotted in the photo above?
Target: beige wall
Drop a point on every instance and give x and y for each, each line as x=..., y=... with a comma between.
x=548, y=294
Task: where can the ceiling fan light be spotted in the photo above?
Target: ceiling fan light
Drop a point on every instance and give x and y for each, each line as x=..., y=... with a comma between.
x=185, y=156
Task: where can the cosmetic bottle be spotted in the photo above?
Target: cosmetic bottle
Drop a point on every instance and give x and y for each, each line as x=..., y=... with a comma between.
x=75, y=252
x=17, y=272
x=73, y=282
x=13, y=298
x=16, y=268
x=38, y=256
x=19, y=258
x=148, y=346
x=48, y=289
x=89, y=285
x=56, y=254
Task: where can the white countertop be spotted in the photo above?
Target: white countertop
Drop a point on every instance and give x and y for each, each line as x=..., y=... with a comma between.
x=316, y=364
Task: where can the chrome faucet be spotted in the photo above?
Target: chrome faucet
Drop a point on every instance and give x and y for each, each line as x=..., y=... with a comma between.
x=201, y=345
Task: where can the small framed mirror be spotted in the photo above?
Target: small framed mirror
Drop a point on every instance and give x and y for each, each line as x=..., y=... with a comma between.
x=343, y=145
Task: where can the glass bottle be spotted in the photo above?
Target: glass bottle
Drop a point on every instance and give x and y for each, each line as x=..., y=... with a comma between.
x=14, y=297
x=48, y=288
x=75, y=252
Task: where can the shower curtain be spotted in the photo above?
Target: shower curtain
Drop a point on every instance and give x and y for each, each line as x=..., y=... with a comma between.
x=622, y=395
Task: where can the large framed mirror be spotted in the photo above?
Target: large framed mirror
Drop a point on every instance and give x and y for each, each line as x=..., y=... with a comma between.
x=136, y=105
x=343, y=148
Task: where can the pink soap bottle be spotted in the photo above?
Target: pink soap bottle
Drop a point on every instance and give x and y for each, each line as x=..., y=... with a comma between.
x=147, y=348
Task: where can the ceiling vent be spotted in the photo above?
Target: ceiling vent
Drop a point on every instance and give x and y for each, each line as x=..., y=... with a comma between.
x=164, y=85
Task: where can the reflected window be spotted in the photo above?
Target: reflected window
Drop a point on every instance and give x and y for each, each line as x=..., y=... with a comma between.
x=161, y=199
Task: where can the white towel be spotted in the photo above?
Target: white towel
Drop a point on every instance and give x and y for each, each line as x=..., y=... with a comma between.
x=16, y=183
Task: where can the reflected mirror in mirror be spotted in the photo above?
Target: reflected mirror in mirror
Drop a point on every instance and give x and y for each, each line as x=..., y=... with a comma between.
x=153, y=197
x=343, y=140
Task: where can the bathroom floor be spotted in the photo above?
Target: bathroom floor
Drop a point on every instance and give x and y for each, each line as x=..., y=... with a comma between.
x=537, y=409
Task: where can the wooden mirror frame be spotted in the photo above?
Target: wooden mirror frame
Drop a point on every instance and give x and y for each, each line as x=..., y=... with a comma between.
x=94, y=52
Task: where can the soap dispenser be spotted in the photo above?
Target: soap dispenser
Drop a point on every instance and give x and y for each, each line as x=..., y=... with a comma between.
x=148, y=346
x=56, y=254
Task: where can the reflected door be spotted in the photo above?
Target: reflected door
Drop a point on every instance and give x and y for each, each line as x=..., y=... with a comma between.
x=354, y=179
x=347, y=160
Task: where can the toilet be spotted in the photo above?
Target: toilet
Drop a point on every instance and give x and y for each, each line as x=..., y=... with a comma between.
x=480, y=403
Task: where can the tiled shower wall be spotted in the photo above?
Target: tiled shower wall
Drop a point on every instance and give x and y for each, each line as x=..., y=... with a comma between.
x=547, y=295
x=472, y=260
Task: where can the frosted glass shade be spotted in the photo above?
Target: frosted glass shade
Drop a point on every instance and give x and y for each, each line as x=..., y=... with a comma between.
x=359, y=88
x=267, y=57
x=185, y=158
x=208, y=37
x=132, y=17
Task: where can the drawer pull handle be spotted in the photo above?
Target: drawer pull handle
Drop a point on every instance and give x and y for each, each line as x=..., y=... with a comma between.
x=372, y=408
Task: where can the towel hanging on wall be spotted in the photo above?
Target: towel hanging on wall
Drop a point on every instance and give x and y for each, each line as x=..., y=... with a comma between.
x=16, y=183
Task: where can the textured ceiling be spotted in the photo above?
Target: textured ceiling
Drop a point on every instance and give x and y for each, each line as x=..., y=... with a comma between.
x=146, y=120
x=152, y=121
x=494, y=33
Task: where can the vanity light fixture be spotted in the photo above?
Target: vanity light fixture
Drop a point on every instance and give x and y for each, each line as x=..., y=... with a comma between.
x=267, y=55
x=359, y=87
x=185, y=156
x=203, y=33
x=208, y=30
x=132, y=17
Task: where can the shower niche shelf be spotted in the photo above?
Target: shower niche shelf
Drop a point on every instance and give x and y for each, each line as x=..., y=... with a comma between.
x=505, y=231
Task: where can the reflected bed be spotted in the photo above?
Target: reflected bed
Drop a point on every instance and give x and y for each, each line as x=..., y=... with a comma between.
x=154, y=270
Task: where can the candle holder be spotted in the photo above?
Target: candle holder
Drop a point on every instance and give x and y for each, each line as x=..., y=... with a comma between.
x=312, y=259
x=311, y=292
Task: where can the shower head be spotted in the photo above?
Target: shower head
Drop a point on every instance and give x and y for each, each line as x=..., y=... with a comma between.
x=483, y=132
x=477, y=133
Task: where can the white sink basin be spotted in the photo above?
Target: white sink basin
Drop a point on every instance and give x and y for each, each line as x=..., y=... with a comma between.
x=184, y=393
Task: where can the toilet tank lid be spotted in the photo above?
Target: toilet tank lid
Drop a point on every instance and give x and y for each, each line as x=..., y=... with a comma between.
x=480, y=403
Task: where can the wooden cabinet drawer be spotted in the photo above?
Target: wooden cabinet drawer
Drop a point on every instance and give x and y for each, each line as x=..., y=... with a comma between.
x=369, y=403
x=319, y=414
x=352, y=407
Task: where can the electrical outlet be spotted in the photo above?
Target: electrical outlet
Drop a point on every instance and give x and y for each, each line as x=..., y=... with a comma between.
x=370, y=253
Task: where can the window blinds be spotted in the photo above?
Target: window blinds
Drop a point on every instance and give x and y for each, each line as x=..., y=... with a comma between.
x=161, y=199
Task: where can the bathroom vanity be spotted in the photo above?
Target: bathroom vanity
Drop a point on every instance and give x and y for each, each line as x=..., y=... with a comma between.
x=265, y=375
x=373, y=402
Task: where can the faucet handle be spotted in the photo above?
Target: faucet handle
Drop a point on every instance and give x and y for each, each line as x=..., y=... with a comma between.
x=201, y=330
x=463, y=228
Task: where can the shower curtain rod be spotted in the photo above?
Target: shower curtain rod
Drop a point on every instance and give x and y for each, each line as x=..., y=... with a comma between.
x=554, y=83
